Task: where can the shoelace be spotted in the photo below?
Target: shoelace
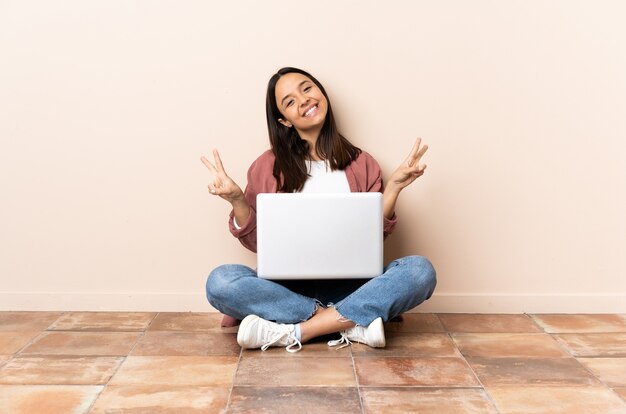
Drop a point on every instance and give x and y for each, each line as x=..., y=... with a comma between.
x=280, y=334
x=343, y=340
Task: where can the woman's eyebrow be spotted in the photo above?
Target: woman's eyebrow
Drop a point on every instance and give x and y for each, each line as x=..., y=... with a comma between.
x=299, y=85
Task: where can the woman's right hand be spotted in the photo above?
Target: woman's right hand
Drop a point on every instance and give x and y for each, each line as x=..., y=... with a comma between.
x=222, y=185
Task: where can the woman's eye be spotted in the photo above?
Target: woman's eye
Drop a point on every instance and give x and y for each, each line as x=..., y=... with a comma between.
x=307, y=88
x=289, y=103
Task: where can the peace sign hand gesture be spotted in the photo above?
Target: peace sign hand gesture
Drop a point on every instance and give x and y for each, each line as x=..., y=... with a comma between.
x=222, y=185
x=410, y=169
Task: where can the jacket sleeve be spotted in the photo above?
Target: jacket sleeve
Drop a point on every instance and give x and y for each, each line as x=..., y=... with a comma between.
x=374, y=183
x=246, y=233
x=260, y=180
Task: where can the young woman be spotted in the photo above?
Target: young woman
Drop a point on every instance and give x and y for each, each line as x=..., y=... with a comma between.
x=308, y=154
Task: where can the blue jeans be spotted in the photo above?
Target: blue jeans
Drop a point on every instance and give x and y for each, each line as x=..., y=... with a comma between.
x=236, y=290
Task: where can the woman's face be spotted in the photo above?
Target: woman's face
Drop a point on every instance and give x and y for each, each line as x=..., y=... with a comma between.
x=301, y=102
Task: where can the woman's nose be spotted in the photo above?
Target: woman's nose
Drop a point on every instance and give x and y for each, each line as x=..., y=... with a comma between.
x=304, y=101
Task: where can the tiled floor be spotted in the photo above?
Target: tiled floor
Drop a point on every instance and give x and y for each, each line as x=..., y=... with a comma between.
x=77, y=362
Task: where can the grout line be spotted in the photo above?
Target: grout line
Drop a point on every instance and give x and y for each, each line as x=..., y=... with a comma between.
x=616, y=393
x=563, y=346
x=156, y=314
x=104, y=386
x=356, y=380
x=426, y=387
x=445, y=330
x=11, y=358
x=232, y=384
x=482, y=386
x=591, y=373
x=31, y=342
x=63, y=313
x=36, y=338
x=123, y=359
x=602, y=383
x=534, y=321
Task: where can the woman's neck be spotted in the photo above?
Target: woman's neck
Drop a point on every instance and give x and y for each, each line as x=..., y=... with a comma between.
x=311, y=138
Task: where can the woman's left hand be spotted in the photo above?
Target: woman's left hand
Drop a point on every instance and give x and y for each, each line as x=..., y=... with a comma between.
x=410, y=169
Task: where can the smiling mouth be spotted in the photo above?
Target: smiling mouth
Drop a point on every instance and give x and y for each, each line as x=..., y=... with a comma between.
x=311, y=111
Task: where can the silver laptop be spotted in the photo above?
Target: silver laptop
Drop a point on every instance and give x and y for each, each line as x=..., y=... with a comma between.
x=319, y=236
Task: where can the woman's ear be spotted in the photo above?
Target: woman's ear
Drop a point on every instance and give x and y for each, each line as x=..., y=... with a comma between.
x=285, y=123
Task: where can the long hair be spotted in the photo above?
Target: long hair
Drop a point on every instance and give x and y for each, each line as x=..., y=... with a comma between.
x=291, y=151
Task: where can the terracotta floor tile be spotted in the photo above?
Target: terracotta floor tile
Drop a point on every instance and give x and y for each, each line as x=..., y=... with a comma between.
x=157, y=343
x=509, y=345
x=556, y=400
x=190, y=322
x=431, y=372
x=311, y=349
x=287, y=371
x=159, y=399
x=530, y=371
x=602, y=344
x=291, y=400
x=416, y=322
x=176, y=370
x=48, y=399
x=83, y=343
x=185, y=362
x=411, y=345
x=103, y=321
x=27, y=321
x=426, y=401
x=581, y=323
x=59, y=370
x=11, y=342
x=611, y=371
x=488, y=323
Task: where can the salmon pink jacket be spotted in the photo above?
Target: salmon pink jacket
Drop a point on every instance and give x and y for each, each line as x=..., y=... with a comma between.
x=363, y=174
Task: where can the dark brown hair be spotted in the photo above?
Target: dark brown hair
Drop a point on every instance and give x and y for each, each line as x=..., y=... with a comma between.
x=291, y=151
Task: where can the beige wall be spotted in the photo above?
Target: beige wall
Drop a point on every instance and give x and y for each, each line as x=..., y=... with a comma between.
x=106, y=107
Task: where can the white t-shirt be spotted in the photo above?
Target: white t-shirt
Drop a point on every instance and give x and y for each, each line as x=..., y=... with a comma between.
x=322, y=180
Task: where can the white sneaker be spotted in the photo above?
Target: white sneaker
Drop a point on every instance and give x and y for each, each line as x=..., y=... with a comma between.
x=373, y=335
x=255, y=332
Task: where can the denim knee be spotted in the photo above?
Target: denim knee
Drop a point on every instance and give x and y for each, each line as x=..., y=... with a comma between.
x=423, y=274
x=217, y=283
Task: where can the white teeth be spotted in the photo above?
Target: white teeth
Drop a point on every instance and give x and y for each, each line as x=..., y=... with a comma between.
x=307, y=113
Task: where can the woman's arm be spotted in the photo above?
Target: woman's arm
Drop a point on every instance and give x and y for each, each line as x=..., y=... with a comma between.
x=241, y=209
x=389, y=202
x=404, y=175
x=260, y=180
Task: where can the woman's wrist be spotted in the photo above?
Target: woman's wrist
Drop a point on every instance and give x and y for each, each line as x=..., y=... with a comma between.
x=392, y=190
x=241, y=209
x=239, y=199
x=239, y=202
x=390, y=196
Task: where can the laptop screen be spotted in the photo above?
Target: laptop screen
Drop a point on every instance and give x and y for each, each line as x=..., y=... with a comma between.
x=319, y=236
